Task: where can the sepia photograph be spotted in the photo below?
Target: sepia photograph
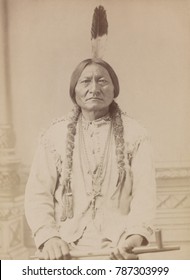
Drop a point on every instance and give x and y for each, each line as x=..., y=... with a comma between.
x=94, y=130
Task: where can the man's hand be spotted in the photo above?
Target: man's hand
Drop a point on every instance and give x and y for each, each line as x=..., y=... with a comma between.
x=54, y=249
x=124, y=249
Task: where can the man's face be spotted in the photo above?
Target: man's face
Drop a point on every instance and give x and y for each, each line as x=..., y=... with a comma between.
x=94, y=90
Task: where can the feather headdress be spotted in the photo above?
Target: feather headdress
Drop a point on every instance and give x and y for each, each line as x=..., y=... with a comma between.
x=99, y=31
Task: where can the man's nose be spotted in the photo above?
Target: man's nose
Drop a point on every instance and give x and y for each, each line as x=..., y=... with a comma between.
x=94, y=86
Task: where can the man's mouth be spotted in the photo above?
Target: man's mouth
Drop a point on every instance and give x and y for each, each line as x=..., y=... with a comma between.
x=93, y=98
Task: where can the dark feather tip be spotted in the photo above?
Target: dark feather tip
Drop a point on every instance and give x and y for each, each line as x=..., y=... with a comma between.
x=99, y=23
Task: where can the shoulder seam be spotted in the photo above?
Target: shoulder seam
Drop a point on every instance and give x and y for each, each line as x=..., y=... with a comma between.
x=51, y=125
x=57, y=120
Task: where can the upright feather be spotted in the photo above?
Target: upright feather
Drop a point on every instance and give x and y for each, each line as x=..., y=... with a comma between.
x=99, y=31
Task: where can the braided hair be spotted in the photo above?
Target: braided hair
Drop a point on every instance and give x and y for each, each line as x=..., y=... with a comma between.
x=118, y=130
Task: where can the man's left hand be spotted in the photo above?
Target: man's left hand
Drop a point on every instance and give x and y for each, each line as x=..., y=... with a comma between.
x=124, y=249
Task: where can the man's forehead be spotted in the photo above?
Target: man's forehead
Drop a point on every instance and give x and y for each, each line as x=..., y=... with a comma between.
x=94, y=69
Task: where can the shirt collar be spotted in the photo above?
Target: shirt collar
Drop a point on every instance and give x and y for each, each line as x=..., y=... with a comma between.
x=105, y=120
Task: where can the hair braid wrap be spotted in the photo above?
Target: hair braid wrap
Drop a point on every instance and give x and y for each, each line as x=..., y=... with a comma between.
x=118, y=130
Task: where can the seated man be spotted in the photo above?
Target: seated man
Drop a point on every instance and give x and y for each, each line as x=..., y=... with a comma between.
x=92, y=182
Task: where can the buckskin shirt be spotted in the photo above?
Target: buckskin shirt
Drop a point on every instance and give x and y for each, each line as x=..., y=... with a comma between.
x=129, y=210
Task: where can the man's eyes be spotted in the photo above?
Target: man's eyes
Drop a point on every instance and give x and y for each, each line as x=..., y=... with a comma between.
x=101, y=81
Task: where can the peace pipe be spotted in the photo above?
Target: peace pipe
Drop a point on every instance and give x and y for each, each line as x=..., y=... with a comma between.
x=137, y=250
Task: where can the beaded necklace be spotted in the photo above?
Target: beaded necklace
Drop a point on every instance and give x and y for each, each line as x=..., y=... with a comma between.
x=98, y=173
x=65, y=175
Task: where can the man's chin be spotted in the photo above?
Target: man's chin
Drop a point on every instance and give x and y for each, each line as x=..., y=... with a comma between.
x=94, y=107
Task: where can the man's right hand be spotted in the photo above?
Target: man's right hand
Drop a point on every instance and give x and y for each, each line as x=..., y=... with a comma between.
x=54, y=249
